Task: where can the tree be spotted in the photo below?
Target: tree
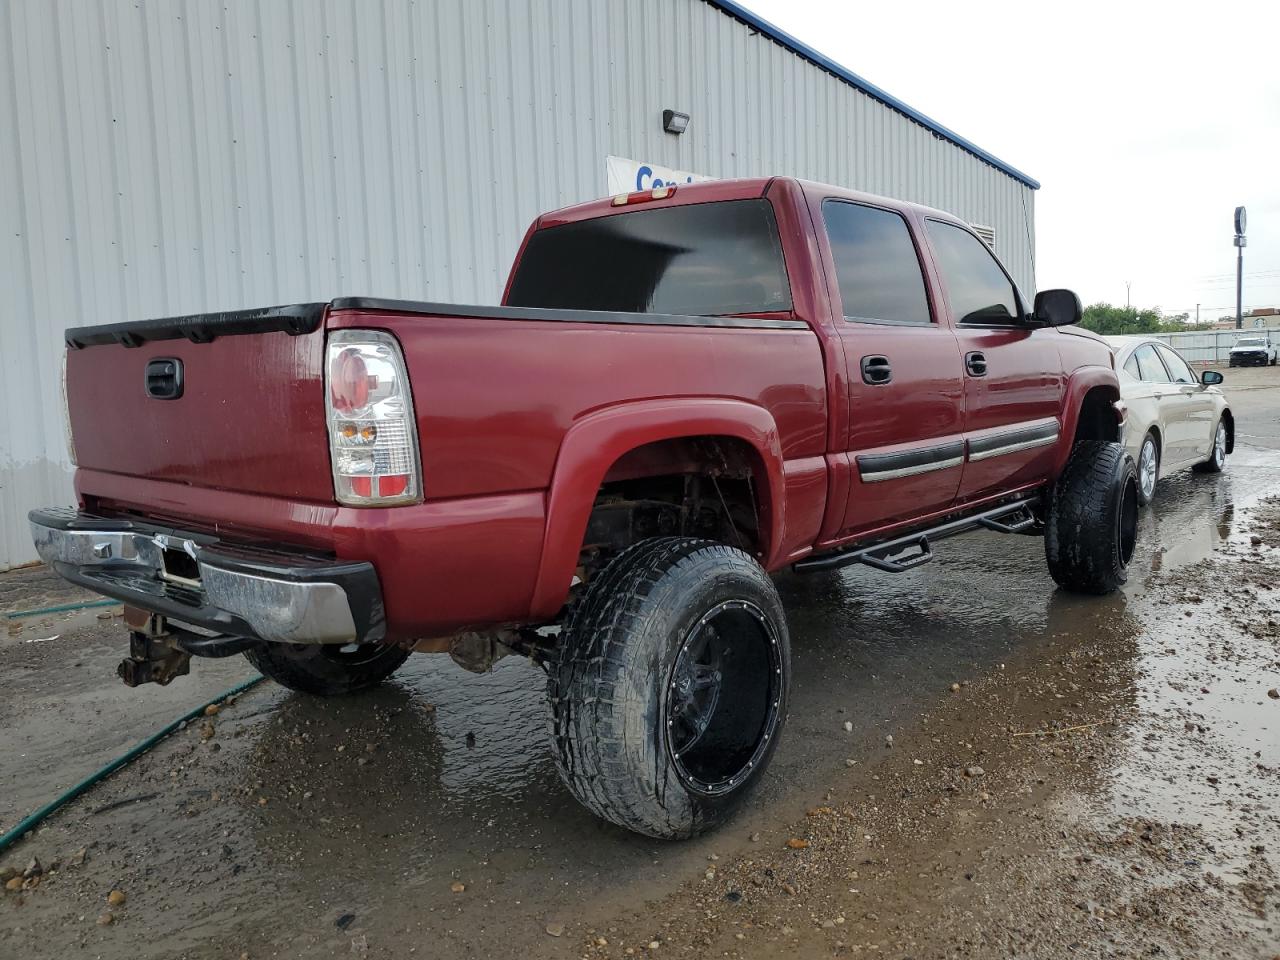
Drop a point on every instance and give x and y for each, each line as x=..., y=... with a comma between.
x=1112, y=321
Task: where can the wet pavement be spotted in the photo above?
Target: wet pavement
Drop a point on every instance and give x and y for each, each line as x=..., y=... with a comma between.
x=289, y=826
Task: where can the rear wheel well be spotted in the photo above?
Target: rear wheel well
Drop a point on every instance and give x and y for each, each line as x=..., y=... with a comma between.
x=705, y=487
x=1097, y=420
x=1154, y=430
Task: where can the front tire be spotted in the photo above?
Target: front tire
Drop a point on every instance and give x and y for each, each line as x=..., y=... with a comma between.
x=326, y=670
x=669, y=688
x=1092, y=524
x=1148, y=469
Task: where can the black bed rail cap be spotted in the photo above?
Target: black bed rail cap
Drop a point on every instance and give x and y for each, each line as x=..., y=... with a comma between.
x=294, y=319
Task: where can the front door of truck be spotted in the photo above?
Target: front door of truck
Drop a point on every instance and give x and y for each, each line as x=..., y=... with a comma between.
x=1012, y=372
x=904, y=439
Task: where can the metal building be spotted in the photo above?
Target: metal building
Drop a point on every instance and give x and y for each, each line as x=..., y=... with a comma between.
x=162, y=157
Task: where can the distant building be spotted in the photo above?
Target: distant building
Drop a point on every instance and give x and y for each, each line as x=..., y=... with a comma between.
x=1256, y=319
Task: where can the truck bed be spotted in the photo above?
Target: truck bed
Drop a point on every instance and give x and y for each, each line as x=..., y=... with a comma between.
x=244, y=451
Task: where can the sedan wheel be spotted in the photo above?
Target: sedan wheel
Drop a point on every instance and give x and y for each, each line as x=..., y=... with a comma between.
x=1217, y=453
x=1148, y=469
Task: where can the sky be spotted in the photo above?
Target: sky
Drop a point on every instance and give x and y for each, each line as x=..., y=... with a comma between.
x=1146, y=125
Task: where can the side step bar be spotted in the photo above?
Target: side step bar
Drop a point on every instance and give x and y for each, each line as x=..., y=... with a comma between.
x=1016, y=516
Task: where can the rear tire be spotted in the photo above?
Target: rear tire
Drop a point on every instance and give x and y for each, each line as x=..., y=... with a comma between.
x=669, y=688
x=1093, y=517
x=324, y=669
x=1217, y=453
x=1148, y=469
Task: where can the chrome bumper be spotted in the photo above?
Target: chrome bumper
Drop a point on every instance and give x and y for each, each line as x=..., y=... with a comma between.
x=199, y=580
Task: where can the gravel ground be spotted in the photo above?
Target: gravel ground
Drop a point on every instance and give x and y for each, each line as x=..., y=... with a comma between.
x=1029, y=774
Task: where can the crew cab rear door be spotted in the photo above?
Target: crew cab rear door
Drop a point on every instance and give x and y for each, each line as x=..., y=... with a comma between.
x=1012, y=372
x=904, y=439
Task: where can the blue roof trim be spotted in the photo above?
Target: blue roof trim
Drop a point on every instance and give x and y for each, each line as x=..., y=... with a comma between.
x=826, y=63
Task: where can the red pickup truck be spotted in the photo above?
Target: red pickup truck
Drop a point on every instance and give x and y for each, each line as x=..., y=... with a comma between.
x=684, y=390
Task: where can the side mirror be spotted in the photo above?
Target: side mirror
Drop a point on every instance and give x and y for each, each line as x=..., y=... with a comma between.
x=1057, y=308
x=1210, y=378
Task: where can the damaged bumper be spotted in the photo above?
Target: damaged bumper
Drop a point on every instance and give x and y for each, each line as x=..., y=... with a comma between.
x=202, y=581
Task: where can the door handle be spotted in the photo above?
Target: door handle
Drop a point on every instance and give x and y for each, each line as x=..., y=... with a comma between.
x=876, y=370
x=976, y=364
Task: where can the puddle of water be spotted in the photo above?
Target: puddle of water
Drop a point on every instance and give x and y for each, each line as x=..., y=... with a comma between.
x=1204, y=747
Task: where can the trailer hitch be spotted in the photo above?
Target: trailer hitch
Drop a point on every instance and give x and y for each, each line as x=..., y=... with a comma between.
x=152, y=660
x=160, y=651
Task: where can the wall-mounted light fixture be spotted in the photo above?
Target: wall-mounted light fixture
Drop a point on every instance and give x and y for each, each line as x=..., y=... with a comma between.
x=673, y=121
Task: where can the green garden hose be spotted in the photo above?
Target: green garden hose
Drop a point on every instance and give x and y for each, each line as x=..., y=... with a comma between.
x=29, y=822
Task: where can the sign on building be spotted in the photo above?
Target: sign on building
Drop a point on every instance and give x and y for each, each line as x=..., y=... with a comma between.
x=627, y=176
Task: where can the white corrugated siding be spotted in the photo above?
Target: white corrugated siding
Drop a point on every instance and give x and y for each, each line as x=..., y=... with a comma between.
x=160, y=158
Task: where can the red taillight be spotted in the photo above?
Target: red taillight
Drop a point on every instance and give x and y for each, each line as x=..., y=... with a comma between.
x=373, y=436
x=393, y=486
x=349, y=387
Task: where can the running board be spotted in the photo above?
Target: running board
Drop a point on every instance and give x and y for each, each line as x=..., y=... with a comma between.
x=1016, y=516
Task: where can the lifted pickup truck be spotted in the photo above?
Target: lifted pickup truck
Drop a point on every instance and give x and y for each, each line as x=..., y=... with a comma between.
x=684, y=390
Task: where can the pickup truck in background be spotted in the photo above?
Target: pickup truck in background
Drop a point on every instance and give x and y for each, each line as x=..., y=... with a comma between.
x=683, y=390
x=1258, y=350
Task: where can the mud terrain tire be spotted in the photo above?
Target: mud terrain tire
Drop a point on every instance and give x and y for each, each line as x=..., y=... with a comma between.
x=669, y=687
x=1093, y=517
x=324, y=669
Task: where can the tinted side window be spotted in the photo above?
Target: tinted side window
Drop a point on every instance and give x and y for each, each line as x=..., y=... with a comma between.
x=876, y=264
x=705, y=259
x=1177, y=366
x=978, y=290
x=1131, y=367
x=1149, y=364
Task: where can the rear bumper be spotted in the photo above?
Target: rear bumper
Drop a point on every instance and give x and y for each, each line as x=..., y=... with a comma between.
x=199, y=580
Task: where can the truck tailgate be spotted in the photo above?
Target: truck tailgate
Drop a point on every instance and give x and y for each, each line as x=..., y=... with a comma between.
x=250, y=416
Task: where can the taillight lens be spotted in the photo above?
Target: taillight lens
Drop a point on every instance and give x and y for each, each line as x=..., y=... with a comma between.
x=373, y=438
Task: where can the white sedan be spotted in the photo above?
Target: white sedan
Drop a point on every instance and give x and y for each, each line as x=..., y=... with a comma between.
x=1175, y=420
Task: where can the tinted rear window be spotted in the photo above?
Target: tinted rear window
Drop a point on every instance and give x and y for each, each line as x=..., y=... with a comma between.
x=876, y=264
x=708, y=259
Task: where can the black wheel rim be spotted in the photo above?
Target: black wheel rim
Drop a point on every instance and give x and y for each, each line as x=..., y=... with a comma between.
x=723, y=697
x=1127, y=521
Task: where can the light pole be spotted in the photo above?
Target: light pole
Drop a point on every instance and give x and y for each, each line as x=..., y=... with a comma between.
x=1240, y=242
x=1126, y=294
